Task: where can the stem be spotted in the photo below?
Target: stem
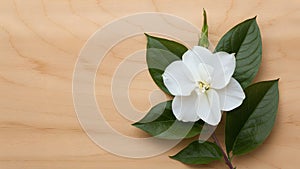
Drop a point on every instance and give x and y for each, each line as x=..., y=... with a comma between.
x=227, y=161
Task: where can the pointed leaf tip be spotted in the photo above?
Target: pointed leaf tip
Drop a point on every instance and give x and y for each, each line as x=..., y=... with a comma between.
x=203, y=41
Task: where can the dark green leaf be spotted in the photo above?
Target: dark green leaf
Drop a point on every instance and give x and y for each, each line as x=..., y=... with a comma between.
x=244, y=40
x=160, y=53
x=250, y=124
x=160, y=122
x=203, y=41
x=199, y=153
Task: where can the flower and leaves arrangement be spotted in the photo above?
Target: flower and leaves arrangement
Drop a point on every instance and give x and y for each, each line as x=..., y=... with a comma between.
x=204, y=86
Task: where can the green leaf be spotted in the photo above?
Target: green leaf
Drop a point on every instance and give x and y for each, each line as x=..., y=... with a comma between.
x=245, y=41
x=250, y=124
x=203, y=41
x=160, y=53
x=160, y=122
x=199, y=153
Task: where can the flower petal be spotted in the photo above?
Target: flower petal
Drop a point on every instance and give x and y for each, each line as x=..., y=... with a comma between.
x=185, y=107
x=231, y=96
x=210, y=111
x=225, y=68
x=178, y=79
x=193, y=57
x=204, y=107
x=205, y=73
x=222, y=62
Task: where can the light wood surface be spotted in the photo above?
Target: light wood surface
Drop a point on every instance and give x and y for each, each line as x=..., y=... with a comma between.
x=40, y=41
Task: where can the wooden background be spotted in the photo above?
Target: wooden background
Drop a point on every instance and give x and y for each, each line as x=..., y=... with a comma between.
x=39, y=44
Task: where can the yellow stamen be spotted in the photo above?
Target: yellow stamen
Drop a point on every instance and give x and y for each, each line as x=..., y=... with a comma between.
x=203, y=86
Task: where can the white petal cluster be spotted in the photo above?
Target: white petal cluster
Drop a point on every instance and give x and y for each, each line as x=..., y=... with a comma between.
x=203, y=85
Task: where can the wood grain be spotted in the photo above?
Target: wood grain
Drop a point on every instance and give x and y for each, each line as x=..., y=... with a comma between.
x=39, y=44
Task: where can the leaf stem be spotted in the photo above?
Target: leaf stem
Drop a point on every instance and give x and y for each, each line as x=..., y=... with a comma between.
x=227, y=161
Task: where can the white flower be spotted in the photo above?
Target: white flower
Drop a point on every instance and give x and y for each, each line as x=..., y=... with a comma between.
x=203, y=86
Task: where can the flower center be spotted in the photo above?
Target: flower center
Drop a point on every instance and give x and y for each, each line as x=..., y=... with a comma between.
x=203, y=86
